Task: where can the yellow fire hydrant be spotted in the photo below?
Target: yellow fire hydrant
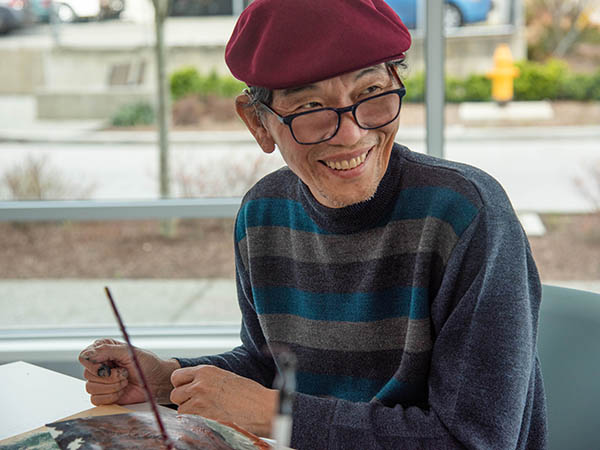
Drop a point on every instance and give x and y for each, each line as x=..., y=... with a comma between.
x=503, y=75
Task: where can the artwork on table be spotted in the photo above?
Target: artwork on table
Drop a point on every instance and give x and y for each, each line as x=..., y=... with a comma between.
x=139, y=430
x=39, y=440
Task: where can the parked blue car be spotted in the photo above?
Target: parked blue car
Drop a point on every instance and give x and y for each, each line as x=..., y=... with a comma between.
x=456, y=13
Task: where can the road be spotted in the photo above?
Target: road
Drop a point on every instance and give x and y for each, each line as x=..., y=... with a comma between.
x=539, y=175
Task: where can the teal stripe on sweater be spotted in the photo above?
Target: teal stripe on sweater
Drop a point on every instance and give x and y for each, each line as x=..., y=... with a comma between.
x=443, y=203
x=345, y=387
x=274, y=212
x=413, y=203
x=409, y=302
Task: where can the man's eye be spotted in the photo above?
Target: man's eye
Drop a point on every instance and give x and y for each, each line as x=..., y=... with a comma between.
x=371, y=90
x=310, y=105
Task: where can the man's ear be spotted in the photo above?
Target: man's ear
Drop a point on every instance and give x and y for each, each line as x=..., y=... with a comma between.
x=249, y=115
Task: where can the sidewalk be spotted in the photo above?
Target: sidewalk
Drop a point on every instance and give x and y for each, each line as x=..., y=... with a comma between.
x=80, y=302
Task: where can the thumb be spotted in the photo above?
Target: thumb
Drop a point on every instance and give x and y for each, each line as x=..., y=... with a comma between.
x=183, y=376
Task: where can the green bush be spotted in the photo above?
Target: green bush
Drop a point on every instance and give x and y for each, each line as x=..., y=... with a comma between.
x=478, y=88
x=475, y=88
x=455, y=90
x=581, y=87
x=134, y=114
x=415, y=88
x=576, y=87
x=188, y=81
x=185, y=81
x=538, y=81
x=595, y=86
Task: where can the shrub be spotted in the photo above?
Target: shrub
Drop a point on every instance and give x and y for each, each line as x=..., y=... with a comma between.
x=594, y=92
x=475, y=88
x=188, y=81
x=134, y=114
x=540, y=81
x=201, y=180
x=478, y=88
x=576, y=86
x=537, y=81
x=455, y=90
x=183, y=82
x=36, y=179
x=415, y=88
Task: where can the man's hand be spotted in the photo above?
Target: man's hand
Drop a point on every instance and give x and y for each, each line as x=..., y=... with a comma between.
x=221, y=395
x=121, y=383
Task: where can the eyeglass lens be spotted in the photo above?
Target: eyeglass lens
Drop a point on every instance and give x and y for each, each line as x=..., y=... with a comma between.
x=322, y=125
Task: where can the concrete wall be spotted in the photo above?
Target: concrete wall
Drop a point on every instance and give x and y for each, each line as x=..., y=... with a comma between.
x=21, y=70
x=65, y=104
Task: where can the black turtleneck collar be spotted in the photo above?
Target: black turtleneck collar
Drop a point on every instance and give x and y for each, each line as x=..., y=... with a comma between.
x=359, y=216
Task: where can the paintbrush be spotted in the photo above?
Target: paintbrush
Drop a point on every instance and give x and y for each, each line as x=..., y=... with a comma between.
x=165, y=437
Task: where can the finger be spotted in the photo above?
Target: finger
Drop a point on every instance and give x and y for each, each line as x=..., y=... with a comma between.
x=187, y=408
x=103, y=351
x=105, y=399
x=101, y=389
x=179, y=395
x=194, y=406
x=116, y=376
x=183, y=376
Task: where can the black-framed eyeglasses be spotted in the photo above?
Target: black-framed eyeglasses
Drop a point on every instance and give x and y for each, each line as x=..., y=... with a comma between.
x=319, y=125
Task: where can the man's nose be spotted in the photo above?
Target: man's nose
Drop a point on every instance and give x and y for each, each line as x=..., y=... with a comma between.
x=349, y=133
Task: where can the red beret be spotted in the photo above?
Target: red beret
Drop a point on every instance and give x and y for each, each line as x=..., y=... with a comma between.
x=279, y=44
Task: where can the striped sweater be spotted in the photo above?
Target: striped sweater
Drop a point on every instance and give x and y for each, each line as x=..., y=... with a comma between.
x=413, y=315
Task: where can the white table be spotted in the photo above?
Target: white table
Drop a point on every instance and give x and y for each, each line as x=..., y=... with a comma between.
x=33, y=396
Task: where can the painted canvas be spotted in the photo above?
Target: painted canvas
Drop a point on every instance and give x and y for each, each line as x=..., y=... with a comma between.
x=139, y=430
x=40, y=440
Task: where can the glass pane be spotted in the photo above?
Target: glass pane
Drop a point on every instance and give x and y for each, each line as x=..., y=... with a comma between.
x=78, y=120
x=53, y=274
x=533, y=130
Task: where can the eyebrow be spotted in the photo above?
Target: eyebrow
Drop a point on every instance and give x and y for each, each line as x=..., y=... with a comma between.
x=295, y=90
x=368, y=70
x=306, y=87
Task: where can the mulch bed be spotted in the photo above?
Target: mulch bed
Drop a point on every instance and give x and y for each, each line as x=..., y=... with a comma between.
x=203, y=248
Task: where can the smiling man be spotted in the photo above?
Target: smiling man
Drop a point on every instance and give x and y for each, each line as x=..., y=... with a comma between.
x=403, y=284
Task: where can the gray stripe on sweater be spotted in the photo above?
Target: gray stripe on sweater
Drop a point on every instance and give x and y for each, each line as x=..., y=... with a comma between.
x=406, y=236
x=389, y=334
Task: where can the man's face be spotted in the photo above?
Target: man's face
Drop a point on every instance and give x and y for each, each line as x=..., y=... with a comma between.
x=362, y=154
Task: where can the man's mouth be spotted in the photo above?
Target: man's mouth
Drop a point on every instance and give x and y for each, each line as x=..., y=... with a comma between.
x=347, y=164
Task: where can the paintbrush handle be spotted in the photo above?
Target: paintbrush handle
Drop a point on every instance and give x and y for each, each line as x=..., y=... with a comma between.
x=167, y=441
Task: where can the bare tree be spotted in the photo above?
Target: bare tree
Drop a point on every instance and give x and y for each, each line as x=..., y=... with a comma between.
x=558, y=23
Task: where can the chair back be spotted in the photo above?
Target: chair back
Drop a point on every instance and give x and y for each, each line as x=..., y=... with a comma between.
x=569, y=351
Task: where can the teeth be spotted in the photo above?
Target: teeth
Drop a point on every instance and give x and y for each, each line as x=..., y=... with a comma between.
x=346, y=165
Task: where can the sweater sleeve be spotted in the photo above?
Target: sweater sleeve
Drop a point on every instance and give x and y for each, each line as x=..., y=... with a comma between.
x=484, y=374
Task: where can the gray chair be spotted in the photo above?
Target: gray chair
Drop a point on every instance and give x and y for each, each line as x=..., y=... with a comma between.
x=569, y=351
